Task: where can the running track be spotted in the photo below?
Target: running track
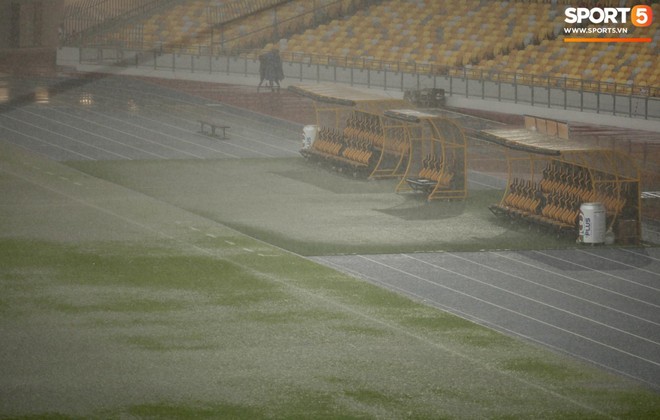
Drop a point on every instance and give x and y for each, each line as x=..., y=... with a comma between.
x=126, y=119
x=599, y=305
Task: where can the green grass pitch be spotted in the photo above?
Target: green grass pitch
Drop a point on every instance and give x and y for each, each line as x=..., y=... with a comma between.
x=125, y=294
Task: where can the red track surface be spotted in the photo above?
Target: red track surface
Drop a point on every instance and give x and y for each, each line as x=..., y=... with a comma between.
x=280, y=104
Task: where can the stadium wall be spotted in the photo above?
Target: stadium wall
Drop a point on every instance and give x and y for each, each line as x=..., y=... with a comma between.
x=29, y=35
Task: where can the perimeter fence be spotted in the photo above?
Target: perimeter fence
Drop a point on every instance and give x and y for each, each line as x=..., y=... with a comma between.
x=624, y=100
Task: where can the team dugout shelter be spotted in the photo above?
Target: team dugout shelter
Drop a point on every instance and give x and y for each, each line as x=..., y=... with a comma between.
x=374, y=136
x=437, y=159
x=550, y=177
x=353, y=136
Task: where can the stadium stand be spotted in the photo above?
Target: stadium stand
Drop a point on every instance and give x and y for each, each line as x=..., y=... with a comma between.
x=508, y=40
x=622, y=64
x=181, y=25
x=95, y=21
x=501, y=40
x=448, y=33
x=214, y=26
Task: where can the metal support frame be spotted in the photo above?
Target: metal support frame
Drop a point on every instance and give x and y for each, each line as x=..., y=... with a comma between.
x=434, y=139
x=613, y=179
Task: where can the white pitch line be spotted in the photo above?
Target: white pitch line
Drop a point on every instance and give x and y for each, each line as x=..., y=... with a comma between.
x=538, y=302
x=599, y=271
x=59, y=146
x=238, y=146
x=576, y=280
x=91, y=133
x=639, y=254
x=329, y=301
x=245, y=126
x=591, y=302
x=126, y=133
x=619, y=262
x=189, y=121
x=615, y=349
x=478, y=320
x=165, y=134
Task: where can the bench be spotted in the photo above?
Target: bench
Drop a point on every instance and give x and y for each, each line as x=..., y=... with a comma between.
x=213, y=126
x=441, y=181
x=337, y=158
x=421, y=184
x=519, y=214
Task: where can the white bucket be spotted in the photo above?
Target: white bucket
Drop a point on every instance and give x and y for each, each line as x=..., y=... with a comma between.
x=592, y=223
x=309, y=135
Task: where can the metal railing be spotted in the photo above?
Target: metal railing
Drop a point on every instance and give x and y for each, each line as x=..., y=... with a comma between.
x=220, y=17
x=541, y=91
x=230, y=10
x=89, y=16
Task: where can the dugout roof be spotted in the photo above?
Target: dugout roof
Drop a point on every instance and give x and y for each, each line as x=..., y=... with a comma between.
x=343, y=95
x=410, y=115
x=525, y=140
x=557, y=145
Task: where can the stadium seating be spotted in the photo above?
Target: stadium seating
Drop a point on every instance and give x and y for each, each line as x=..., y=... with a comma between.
x=361, y=147
x=556, y=199
x=186, y=27
x=521, y=37
x=447, y=33
x=351, y=149
x=622, y=63
x=250, y=29
x=432, y=174
x=501, y=38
